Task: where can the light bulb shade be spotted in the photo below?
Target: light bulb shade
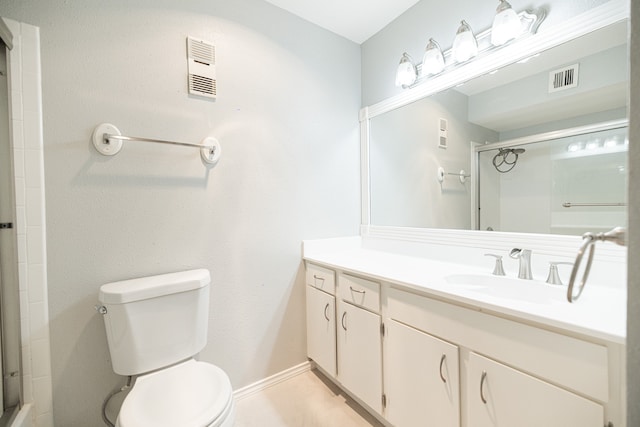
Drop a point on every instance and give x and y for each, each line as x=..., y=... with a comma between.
x=433, y=60
x=465, y=45
x=506, y=24
x=406, y=74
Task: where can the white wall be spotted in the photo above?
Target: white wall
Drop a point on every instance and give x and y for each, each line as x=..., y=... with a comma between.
x=286, y=117
x=411, y=31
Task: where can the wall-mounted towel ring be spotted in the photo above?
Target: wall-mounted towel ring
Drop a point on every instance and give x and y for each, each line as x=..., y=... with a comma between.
x=108, y=140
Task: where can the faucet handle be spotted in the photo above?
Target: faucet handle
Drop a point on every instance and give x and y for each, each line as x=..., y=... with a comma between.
x=498, y=270
x=554, y=278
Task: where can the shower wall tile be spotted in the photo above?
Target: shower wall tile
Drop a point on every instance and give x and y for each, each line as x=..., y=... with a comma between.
x=21, y=220
x=32, y=166
x=26, y=360
x=31, y=92
x=27, y=390
x=20, y=191
x=18, y=162
x=37, y=291
x=32, y=137
x=16, y=112
x=35, y=245
x=27, y=143
x=39, y=323
x=18, y=134
x=42, y=395
x=34, y=211
x=40, y=355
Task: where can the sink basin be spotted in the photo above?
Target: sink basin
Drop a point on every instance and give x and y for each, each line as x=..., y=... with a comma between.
x=528, y=291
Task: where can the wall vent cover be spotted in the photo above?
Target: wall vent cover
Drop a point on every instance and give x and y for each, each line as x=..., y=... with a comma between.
x=564, y=78
x=201, y=58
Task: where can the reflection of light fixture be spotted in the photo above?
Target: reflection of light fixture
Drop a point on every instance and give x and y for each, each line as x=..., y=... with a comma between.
x=465, y=45
x=506, y=24
x=593, y=144
x=575, y=146
x=406, y=74
x=432, y=61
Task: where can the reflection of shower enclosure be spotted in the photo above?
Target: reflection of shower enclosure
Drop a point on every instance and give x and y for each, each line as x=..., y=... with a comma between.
x=566, y=182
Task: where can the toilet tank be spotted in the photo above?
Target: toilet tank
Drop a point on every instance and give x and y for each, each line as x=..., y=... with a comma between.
x=156, y=321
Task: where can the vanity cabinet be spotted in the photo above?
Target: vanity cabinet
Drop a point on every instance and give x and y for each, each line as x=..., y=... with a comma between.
x=321, y=317
x=414, y=360
x=421, y=378
x=359, y=339
x=502, y=396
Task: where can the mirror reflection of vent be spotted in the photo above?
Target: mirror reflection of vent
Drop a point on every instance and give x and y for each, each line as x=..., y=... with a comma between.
x=564, y=78
x=201, y=57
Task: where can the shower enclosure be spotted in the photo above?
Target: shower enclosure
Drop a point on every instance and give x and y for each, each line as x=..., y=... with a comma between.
x=10, y=339
x=563, y=182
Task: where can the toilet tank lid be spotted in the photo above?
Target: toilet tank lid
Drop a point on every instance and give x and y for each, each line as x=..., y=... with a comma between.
x=153, y=286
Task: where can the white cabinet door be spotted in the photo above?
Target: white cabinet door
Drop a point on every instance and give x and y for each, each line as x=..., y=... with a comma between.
x=359, y=353
x=499, y=396
x=321, y=329
x=421, y=379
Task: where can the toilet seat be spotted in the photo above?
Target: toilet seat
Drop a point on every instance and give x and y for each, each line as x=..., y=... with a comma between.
x=190, y=394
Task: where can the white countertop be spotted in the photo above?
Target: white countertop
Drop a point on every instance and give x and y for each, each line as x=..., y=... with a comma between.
x=599, y=313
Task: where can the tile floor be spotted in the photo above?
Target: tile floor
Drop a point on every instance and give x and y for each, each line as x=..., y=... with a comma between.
x=306, y=400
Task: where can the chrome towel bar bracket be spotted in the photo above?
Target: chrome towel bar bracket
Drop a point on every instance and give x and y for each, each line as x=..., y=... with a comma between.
x=108, y=140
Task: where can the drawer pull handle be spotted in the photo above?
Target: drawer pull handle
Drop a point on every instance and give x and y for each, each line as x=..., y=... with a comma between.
x=325, y=312
x=482, y=380
x=442, y=359
x=318, y=277
x=355, y=290
x=342, y=321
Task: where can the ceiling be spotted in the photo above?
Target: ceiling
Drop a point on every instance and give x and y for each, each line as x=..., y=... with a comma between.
x=356, y=20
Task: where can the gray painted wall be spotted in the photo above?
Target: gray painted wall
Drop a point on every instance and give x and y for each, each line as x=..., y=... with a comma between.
x=411, y=31
x=287, y=119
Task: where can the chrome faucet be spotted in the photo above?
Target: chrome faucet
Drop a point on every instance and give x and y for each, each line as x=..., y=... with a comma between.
x=524, y=255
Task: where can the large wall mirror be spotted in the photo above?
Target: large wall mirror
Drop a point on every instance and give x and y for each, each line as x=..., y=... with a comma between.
x=536, y=146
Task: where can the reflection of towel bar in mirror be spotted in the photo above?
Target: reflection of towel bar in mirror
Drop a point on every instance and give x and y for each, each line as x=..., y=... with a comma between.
x=107, y=139
x=463, y=175
x=575, y=205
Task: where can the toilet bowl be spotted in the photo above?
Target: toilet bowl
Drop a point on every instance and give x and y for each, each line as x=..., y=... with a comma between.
x=190, y=394
x=155, y=326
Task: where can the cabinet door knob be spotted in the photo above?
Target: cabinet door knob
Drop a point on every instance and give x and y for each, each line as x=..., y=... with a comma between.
x=326, y=307
x=315, y=276
x=442, y=359
x=482, y=380
x=356, y=290
x=342, y=321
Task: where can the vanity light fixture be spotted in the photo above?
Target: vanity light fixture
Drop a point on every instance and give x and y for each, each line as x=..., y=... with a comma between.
x=506, y=24
x=406, y=74
x=465, y=45
x=433, y=60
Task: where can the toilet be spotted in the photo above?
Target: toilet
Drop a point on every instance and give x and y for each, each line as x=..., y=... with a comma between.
x=155, y=326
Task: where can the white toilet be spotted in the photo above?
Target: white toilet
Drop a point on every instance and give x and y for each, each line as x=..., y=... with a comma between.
x=155, y=325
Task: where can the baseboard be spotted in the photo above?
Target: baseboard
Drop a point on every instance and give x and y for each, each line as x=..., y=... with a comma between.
x=263, y=384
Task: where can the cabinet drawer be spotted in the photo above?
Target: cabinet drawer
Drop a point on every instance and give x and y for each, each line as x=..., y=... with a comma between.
x=361, y=292
x=321, y=278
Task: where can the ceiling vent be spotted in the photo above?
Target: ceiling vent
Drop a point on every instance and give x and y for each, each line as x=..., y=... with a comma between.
x=201, y=57
x=564, y=78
